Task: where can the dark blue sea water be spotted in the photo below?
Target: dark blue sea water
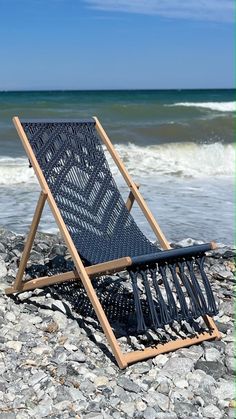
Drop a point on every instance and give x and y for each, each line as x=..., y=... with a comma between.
x=177, y=144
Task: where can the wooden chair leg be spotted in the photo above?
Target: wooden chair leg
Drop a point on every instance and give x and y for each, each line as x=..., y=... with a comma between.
x=17, y=286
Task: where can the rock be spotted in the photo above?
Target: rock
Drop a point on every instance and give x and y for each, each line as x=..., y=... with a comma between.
x=160, y=360
x=36, y=378
x=75, y=394
x=43, y=409
x=3, y=269
x=162, y=401
x=214, y=368
x=230, y=365
x=223, y=327
x=60, y=319
x=149, y=413
x=128, y=385
x=181, y=383
x=15, y=345
x=228, y=308
x=122, y=394
x=178, y=366
x=101, y=381
x=163, y=387
x=225, y=390
x=70, y=347
x=169, y=415
x=184, y=410
x=187, y=242
x=140, y=406
x=77, y=356
x=229, y=350
x=128, y=408
x=212, y=354
x=212, y=411
x=194, y=352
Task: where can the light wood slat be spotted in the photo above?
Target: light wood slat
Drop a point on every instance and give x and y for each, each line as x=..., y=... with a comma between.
x=72, y=249
x=99, y=269
x=135, y=356
x=86, y=273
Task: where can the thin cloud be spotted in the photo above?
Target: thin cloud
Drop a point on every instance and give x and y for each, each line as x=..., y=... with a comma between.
x=215, y=10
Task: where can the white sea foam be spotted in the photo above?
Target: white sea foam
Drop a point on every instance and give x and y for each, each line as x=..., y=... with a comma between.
x=179, y=159
x=15, y=171
x=175, y=159
x=214, y=106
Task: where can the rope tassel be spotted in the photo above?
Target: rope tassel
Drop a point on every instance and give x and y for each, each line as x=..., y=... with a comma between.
x=141, y=326
x=184, y=300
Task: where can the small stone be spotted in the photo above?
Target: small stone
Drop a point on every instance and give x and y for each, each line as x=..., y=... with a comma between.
x=229, y=350
x=149, y=413
x=76, y=394
x=194, y=352
x=51, y=327
x=230, y=365
x=98, y=338
x=184, y=410
x=128, y=408
x=178, y=366
x=101, y=381
x=141, y=406
x=60, y=319
x=169, y=415
x=162, y=401
x=212, y=354
x=213, y=368
x=223, y=327
x=3, y=269
x=36, y=378
x=181, y=383
x=128, y=385
x=163, y=388
x=15, y=345
x=77, y=356
x=10, y=317
x=43, y=409
x=70, y=347
x=212, y=411
x=160, y=360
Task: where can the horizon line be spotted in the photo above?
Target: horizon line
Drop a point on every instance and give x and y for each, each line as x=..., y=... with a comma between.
x=114, y=90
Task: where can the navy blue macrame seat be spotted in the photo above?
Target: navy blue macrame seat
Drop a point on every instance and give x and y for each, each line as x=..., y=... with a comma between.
x=72, y=159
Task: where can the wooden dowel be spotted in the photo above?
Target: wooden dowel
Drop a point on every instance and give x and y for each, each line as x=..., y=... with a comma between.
x=130, y=200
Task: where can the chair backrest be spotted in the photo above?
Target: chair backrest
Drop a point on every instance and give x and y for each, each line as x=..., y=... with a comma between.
x=73, y=162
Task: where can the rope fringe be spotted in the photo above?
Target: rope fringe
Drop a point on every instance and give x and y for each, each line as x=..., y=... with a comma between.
x=182, y=297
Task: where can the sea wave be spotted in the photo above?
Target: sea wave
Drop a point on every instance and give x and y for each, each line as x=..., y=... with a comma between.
x=179, y=159
x=176, y=159
x=214, y=106
x=15, y=171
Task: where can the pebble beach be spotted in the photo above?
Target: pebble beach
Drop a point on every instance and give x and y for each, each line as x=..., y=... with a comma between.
x=55, y=361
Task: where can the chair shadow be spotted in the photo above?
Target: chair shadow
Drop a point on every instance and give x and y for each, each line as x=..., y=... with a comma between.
x=118, y=304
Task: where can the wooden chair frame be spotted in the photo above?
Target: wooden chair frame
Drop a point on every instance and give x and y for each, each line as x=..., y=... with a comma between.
x=86, y=273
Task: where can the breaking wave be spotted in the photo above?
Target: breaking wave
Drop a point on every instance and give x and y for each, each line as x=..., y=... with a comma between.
x=175, y=159
x=214, y=106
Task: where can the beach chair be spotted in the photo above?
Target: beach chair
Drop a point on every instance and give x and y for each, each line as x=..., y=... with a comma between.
x=102, y=237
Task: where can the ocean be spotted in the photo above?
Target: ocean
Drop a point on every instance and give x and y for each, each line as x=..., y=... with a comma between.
x=177, y=144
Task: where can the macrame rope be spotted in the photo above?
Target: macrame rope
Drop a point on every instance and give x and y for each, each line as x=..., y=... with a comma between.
x=141, y=326
x=163, y=307
x=211, y=309
x=73, y=162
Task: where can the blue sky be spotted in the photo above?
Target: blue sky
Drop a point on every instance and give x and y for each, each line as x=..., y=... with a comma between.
x=115, y=44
